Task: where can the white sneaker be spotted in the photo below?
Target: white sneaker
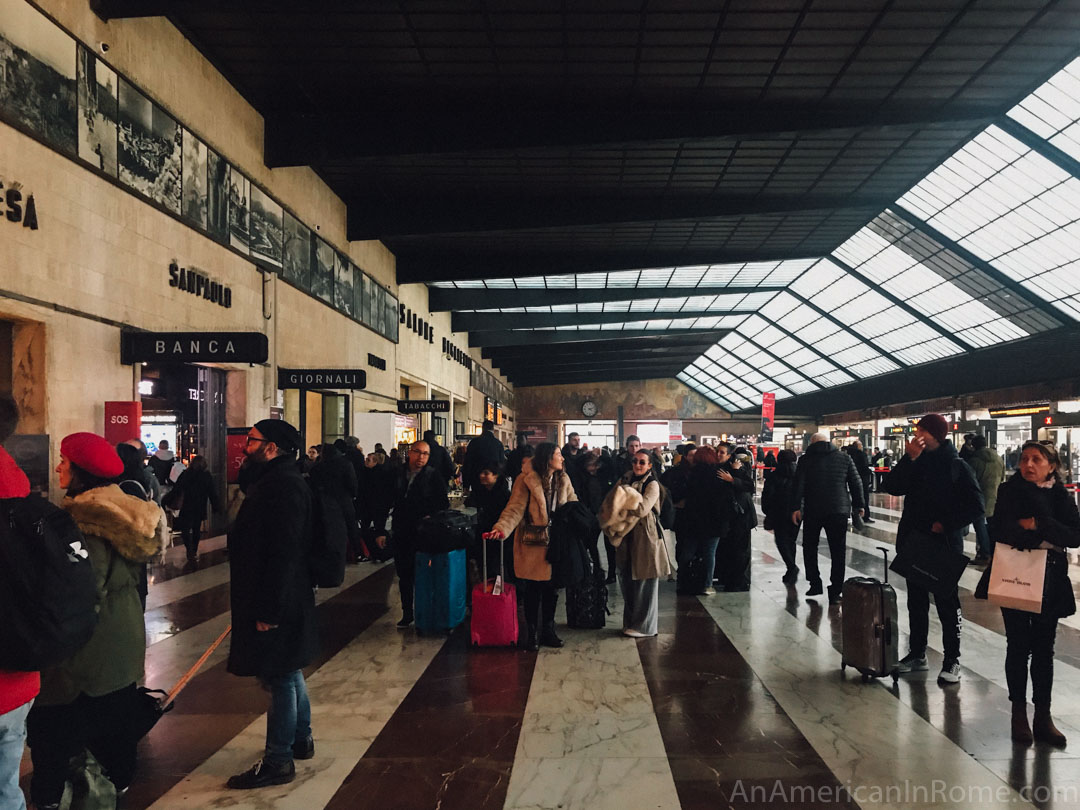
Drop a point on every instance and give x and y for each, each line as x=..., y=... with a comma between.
x=950, y=673
x=634, y=633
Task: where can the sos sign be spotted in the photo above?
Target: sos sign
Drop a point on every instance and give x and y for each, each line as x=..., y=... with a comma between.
x=123, y=421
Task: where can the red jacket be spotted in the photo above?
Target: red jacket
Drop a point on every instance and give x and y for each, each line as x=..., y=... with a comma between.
x=16, y=688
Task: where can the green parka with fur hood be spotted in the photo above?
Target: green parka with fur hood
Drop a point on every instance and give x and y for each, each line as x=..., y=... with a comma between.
x=121, y=534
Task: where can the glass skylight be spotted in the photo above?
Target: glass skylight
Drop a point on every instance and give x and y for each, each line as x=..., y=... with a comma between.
x=1053, y=111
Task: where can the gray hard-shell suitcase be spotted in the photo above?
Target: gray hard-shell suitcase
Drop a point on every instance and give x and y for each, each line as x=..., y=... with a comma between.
x=869, y=626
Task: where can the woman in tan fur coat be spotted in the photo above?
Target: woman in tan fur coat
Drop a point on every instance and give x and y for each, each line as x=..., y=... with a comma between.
x=85, y=700
x=535, y=497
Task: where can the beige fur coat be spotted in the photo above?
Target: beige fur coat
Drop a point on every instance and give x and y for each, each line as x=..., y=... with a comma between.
x=527, y=505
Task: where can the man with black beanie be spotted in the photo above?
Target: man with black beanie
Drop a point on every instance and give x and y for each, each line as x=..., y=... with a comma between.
x=273, y=604
x=941, y=498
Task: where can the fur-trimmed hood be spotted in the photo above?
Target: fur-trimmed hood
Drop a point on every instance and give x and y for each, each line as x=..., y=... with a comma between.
x=128, y=524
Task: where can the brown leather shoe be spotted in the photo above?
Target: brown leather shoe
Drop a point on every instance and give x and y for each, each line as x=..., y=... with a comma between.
x=1045, y=730
x=1021, y=731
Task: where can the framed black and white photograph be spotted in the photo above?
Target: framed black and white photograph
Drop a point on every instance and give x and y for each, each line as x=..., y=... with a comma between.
x=265, y=228
x=37, y=75
x=380, y=310
x=322, y=269
x=239, y=208
x=217, y=196
x=296, y=253
x=149, y=155
x=390, y=325
x=98, y=100
x=194, y=197
x=358, y=293
x=343, y=284
x=369, y=301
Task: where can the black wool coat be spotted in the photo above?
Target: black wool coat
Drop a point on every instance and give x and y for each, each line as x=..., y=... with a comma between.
x=198, y=488
x=269, y=546
x=484, y=449
x=425, y=496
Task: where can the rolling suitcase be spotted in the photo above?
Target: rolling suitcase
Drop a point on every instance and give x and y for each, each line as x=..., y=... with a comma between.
x=439, y=594
x=494, y=620
x=869, y=626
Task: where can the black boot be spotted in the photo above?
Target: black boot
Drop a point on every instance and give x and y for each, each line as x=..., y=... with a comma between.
x=532, y=642
x=548, y=638
x=262, y=775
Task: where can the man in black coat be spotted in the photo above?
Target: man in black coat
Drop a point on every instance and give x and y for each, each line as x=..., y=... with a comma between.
x=483, y=452
x=333, y=482
x=827, y=489
x=440, y=457
x=420, y=492
x=862, y=467
x=941, y=498
x=273, y=605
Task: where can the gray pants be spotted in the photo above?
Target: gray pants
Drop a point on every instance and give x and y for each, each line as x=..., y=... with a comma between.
x=641, y=602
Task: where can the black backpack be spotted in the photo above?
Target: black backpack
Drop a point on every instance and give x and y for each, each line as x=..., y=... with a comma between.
x=48, y=592
x=587, y=603
x=667, y=507
x=445, y=531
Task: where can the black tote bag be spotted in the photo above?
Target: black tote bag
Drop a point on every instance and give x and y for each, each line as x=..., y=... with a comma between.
x=928, y=562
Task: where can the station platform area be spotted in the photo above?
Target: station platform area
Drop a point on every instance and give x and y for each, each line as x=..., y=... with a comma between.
x=739, y=702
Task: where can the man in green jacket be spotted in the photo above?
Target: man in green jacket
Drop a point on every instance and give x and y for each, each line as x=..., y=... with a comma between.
x=989, y=471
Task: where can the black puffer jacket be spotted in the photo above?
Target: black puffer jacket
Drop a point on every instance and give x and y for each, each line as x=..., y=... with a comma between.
x=826, y=482
x=938, y=488
x=1056, y=521
x=269, y=546
x=778, y=494
x=710, y=503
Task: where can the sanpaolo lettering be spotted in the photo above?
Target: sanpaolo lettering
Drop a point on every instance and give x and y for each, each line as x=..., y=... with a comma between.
x=199, y=284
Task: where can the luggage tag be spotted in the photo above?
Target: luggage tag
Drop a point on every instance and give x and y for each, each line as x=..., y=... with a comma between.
x=497, y=589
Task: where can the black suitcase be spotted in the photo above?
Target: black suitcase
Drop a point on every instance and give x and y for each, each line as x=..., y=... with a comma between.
x=586, y=603
x=445, y=531
x=869, y=626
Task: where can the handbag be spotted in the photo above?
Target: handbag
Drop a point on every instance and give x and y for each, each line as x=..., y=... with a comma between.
x=1017, y=578
x=173, y=500
x=926, y=561
x=535, y=535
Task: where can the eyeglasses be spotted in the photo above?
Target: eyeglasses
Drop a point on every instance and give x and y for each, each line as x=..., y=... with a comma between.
x=251, y=439
x=637, y=463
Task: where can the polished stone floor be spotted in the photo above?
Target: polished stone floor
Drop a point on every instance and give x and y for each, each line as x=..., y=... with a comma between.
x=738, y=702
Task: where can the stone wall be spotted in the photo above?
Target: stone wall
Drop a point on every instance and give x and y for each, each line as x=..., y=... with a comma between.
x=640, y=399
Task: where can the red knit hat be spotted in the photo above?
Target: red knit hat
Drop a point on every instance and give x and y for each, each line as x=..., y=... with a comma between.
x=92, y=453
x=935, y=425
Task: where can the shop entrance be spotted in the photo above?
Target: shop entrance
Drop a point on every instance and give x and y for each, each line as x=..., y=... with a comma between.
x=322, y=416
x=1067, y=442
x=594, y=434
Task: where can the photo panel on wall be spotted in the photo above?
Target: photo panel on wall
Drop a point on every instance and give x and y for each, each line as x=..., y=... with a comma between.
x=37, y=75
x=98, y=110
x=196, y=171
x=390, y=323
x=296, y=253
x=150, y=147
x=265, y=227
x=358, y=293
x=239, y=209
x=217, y=196
x=322, y=269
x=343, y=284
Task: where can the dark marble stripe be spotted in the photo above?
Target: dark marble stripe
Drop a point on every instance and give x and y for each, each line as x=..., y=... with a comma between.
x=178, y=567
x=451, y=743
x=725, y=735
x=217, y=706
x=186, y=612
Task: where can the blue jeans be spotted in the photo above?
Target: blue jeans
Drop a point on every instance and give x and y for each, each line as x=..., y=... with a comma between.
x=687, y=548
x=982, y=537
x=289, y=718
x=12, y=737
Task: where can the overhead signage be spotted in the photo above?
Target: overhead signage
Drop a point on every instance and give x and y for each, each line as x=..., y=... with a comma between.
x=768, y=414
x=489, y=409
x=193, y=347
x=410, y=320
x=15, y=208
x=375, y=361
x=123, y=421
x=459, y=356
x=423, y=405
x=353, y=378
x=198, y=283
x=498, y=414
x=1020, y=410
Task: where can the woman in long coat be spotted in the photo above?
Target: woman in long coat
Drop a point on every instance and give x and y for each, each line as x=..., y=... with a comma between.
x=535, y=497
x=641, y=554
x=197, y=486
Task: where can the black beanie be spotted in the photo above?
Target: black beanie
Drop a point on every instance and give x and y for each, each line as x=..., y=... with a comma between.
x=281, y=433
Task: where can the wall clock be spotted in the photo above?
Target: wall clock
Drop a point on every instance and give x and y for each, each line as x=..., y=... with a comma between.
x=589, y=409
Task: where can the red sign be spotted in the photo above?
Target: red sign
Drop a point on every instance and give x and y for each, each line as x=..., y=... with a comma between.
x=235, y=442
x=768, y=413
x=123, y=421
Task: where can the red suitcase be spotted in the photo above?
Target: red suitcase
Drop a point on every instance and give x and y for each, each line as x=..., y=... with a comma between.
x=494, y=621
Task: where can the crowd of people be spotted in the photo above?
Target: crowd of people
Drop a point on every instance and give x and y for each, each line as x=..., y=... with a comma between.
x=374, y=505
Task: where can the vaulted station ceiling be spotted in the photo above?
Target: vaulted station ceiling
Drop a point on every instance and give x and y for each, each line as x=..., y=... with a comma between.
x=829, y=199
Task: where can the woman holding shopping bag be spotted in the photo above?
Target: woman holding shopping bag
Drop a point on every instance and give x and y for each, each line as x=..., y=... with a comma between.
x=1034, y=511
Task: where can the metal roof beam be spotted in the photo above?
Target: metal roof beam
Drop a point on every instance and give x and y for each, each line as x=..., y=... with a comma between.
x=392, y=126
x=542, y=337
x=375, y=216
x=441, y=299
x=849, y=330
x=1059, y=158
x=498, y=321
x=662, y=342
x=416, y=266
x=541, y=379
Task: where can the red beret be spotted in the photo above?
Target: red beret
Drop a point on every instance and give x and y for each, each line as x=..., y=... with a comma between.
x=93, y=454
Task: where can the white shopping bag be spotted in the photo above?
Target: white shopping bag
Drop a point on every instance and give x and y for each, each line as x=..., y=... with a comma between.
x=1017, y=578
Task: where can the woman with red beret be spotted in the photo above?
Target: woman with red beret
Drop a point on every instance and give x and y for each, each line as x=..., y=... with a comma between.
x=84, y=700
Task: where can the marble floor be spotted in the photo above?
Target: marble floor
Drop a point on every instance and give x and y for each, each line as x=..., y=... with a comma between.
x=738, y=702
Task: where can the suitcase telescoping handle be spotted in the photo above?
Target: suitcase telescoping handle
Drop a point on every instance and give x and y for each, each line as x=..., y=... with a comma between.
x=502, y=561
x=885, y=551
